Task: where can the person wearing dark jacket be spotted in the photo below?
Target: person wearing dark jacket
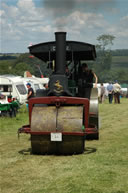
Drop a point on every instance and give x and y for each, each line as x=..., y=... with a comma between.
x=30, y=91
x=85, y=82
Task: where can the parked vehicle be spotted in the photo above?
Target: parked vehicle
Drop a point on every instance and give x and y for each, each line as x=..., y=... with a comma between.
x=43, y=81
x=14, y=86
x=35, y=83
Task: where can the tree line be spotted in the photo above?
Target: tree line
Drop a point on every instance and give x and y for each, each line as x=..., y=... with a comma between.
x=103, y=66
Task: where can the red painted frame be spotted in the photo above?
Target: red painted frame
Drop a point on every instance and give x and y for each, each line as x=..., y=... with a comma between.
x=58, y=101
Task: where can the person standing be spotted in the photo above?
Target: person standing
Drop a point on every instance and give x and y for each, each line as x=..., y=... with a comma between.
x=110, y=92
x=102, y=92
x=85, y=81
x=30, y=91
x=117, y=90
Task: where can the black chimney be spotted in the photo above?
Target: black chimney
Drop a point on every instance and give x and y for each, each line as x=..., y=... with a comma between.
x=58, y=84
x=60, y=52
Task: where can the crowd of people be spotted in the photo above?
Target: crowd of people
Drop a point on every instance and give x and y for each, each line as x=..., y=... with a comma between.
x=114, y=92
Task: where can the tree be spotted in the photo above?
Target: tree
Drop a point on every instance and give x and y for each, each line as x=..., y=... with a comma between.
x=105, y=41
x=6, y=67
x=104, y=55
x=32, y=64
x=20, y=68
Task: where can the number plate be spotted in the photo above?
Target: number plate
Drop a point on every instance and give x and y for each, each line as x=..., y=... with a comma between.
x=56, y=136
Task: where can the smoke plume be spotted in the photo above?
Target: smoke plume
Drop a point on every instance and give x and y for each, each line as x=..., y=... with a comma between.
x=60, y=9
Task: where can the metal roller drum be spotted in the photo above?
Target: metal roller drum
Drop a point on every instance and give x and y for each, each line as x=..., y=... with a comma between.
x=51, y=118
x=43, y=119
x=94, y=101
x=63, y=119
x=70, y=119
x=93, y=111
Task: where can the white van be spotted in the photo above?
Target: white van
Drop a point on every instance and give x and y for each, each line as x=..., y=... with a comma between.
x=13, y=85
x=43, y=81
x=35, y=83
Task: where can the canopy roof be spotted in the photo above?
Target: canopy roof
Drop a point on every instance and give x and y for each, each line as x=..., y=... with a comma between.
x=74, y=51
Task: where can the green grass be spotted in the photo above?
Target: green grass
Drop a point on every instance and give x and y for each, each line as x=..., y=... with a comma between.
x=120, y=59
x=103, y=167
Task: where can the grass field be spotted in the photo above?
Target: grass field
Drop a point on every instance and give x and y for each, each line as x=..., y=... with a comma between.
x=102, y=168
x=120, y=62
x=120, y=59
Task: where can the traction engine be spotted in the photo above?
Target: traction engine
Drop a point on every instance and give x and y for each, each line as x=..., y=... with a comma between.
x=59, y=120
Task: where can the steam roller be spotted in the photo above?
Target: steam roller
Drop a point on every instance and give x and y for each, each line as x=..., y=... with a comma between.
x=60, y=120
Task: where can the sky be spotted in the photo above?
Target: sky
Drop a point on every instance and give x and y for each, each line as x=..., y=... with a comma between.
x=26, y=22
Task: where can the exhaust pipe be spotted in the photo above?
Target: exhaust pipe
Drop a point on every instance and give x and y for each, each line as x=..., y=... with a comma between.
x=60, y=52
x=58, y=84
